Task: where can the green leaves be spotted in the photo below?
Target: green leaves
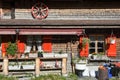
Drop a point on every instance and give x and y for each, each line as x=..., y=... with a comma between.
x=85, y=41
x=49, y=77
x=2, y=77
x=11, y=48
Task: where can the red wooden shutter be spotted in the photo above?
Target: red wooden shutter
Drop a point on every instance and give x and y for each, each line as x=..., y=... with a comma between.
x=21, y=47
x=111, y=48
x=47, y=44
x=21, y=43
x=84, y=51
x=3, y=46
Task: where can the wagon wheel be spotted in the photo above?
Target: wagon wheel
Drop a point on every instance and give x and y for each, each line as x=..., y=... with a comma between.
x=40, y=11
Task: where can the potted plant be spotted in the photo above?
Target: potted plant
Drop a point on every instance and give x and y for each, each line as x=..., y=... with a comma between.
x=11, y=49
x=112, y=40
x=85, y=41
x=26, y=55
x=40, y=53
x=61, y=54
x=80, y=63
x=94, y=55
x=101, y=55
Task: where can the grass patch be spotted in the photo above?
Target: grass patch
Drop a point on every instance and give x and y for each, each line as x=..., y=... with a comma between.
x=49, y=77
x=2, y=77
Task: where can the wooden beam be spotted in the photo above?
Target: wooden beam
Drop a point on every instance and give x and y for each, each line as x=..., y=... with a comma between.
x=0, y=9
x=27, y=22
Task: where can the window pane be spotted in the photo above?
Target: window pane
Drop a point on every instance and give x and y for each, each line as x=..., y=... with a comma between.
x=100, y=38
x=92, y=38
x=100, y=44
x=92, y=44
x=92, y=51
x=100, y=50
x=96, y=44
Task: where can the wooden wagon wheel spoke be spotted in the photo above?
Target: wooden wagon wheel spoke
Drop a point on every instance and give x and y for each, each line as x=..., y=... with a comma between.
x=40, y=11
x=35, y=11
x=44, y=9
x=36, y=7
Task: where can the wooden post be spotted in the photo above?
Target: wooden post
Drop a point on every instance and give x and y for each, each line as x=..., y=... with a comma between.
x=73, y=66
x=37, y=67
x=64, y=65
x=0, y=9
x=5, y=66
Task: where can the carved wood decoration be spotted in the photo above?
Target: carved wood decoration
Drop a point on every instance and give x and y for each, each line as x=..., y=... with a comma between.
x=39, y=11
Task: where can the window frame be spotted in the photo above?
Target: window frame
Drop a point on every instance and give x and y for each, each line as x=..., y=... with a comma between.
x=96, y=41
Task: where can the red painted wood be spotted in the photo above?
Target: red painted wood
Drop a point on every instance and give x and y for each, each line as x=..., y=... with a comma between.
x=60, y=31
x=111, y=48
x=49, y=31
x=21, y=47
x=84, y=52
x=3, y=48
x=7, y=31
x=47, y=44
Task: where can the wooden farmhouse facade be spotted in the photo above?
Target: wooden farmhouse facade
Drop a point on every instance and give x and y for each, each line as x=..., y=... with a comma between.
x=60, y=25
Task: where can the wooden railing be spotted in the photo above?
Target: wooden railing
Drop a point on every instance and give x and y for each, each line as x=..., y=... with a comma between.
x=37, y=69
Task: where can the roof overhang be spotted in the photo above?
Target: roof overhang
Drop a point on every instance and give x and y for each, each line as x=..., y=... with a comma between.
x=41, y=31
x=19, y=23
x=58, y=22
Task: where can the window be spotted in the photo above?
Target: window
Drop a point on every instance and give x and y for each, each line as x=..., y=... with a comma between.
x=96, y=43
x=34, y=42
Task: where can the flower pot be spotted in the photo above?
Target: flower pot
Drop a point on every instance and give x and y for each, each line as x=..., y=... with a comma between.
x=19, y=55
x=80, y=66
x=94, y=56
x=11, y=56
x=40, y=55
x=112, y=41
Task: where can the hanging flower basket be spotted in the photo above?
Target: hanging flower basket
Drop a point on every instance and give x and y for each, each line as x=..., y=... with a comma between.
x=111, y=40
x=85, y=41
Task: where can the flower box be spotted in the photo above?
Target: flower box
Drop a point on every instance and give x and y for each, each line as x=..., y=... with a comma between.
x=61, y=55
x=33, y=55
x=28, y=66
x=48, y=55
x=14, y=67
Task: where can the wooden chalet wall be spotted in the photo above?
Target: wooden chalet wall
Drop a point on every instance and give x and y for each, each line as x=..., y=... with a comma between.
x=67, y=44
x=0, y=9
x=95, y=9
